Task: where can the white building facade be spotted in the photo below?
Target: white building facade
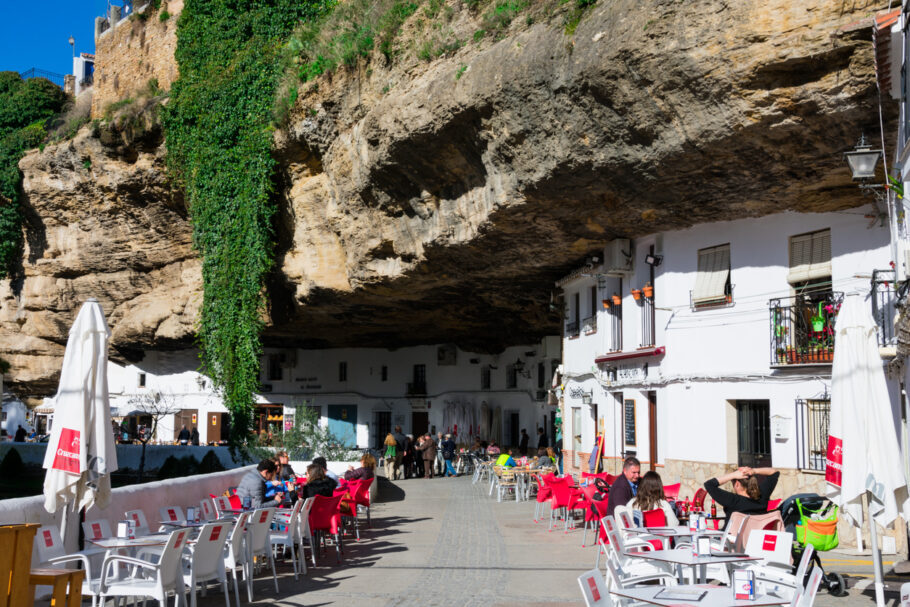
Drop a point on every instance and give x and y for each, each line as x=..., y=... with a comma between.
x=726, y=359
x=360, y=394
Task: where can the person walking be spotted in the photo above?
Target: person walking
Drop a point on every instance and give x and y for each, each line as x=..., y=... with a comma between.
x=440, y=463
x=542, y=442
x=399, y=456
x=523, y=442
x=448, y=454
x=391, y=452
x=184, y=436
x=194, y=437
x=427, y=448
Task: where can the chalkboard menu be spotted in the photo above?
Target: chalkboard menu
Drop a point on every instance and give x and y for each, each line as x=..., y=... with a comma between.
x=629, y=421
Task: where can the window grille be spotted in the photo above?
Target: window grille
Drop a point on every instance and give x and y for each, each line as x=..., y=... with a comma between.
x=812, y=423
x=342, y=371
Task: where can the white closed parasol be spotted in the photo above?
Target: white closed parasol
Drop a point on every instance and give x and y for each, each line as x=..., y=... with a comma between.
x=81, y=454
x=863, y=453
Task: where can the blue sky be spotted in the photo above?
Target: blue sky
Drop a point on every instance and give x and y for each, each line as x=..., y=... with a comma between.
x=33, y=34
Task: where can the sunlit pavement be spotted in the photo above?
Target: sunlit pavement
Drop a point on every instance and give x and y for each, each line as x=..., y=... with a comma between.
x=446, y=542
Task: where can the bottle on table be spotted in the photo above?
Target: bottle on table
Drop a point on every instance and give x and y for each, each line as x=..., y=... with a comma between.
x=713, y=509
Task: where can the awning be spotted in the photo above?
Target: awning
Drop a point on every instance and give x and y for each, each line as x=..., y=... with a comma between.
x=643, y=353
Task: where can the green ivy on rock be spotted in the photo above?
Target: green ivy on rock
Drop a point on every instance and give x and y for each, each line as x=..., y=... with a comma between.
x=25, y=106
x=218, y=127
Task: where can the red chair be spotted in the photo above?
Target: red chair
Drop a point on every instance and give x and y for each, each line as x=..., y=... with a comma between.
x=581, y=501
x=773, y=504
x=236, y=503
x=600, y=508
x=562, y=498
x=325, y=515
x=347, y=507
x=672, y=491
x=654, y=518
x=544, y=493
x=698, y=502
x=362, y=497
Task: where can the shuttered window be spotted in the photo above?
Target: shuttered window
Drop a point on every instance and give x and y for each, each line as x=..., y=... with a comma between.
x=810, y=256
x=713, y=275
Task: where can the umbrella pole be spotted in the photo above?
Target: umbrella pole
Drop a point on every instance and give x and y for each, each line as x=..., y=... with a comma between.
x=877, y=565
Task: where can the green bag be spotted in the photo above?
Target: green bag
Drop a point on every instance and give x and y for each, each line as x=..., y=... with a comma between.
x=390, y=451
x=821, y=533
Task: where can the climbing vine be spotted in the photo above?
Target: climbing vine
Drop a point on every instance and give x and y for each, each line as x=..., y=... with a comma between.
x=25, y=107
x=218, y=127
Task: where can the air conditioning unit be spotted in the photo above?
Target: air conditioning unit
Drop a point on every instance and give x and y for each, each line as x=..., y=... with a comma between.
x=288, y=359
x=618, y=257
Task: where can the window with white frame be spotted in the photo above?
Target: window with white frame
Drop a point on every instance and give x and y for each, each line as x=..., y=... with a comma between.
x=712, y=280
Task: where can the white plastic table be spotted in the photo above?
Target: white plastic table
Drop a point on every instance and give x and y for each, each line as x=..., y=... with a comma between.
x=715, y=596
x=678, y=531
x=683, y=557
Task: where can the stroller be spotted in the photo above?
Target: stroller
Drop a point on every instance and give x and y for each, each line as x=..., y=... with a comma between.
x=812, y=519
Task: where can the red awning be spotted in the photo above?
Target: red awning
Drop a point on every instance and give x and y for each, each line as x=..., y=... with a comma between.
x=643, y=353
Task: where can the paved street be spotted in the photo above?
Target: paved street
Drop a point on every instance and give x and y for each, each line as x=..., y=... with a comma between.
x=445, y=542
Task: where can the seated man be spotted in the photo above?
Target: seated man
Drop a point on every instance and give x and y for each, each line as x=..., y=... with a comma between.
x=505, y=460
x=253, y=485
x=625, y=486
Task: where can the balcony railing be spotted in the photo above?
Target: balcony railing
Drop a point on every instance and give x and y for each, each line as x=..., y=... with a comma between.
x=802, y=328
x=589, y=325
x=616, y=329
x=647, y=322
x=884, y=306
x=572, y=329
x=417, y=388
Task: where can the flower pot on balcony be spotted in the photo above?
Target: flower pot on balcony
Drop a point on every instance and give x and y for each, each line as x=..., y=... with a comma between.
x=606, y=303
x=648, y=291
x=617, y=300
x=636, y=294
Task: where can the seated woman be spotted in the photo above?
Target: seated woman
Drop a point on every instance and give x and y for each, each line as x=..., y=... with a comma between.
x=366, y=469
x=506, y=460
x=493, y=449
x=650, y=496
x=317, y=482
x=752, y=488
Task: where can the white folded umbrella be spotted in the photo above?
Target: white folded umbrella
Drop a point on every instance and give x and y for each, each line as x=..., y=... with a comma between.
x=81, y=454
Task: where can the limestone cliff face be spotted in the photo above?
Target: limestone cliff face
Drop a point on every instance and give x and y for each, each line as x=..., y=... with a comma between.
x=418, y=207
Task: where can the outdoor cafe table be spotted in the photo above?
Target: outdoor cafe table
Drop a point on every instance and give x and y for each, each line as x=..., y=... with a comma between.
x=715, y=596
x=677, y=531
x=683, y=557
x=119, y=543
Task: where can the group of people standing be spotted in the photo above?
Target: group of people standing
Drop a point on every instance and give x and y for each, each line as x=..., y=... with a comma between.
x=426, y=456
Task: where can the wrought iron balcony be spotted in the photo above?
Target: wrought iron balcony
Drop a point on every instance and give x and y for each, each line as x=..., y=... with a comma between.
x=589, y=325
x=802, y=328
x=571, y=329
x=884, y=306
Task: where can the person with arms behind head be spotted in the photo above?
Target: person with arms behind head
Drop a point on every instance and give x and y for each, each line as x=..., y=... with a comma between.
x=752, y=488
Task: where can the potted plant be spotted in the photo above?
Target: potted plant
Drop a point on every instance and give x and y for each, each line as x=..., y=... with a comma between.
x=636, y=294
x=617, y=300
x=606, y=303
x=648, y=290
x=781, y=355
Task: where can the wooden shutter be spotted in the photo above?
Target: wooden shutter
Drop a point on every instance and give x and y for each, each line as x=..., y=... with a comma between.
x=712, y=276
x=810, y=257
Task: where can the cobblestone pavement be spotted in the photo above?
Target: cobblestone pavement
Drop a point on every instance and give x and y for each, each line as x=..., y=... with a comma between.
x=445, y=542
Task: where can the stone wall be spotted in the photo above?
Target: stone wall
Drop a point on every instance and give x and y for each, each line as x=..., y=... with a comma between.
x=132, y=52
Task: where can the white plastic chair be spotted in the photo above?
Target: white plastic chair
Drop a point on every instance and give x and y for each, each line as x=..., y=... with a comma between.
x=594, y=589
x=96, y=530
x=290, y=537
x=159, y=580
x=207, y=562
x=207, y=509
x=236, y=554
x=171, y=513
x=618, y=546
x=905, y=594
x=773, y=547
x=48, y=547
x=620, y=577
x=222, y=503
x=258, y=538
x=805, y=597
x=781, y=581
x=305, y=534
x=142, y=524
